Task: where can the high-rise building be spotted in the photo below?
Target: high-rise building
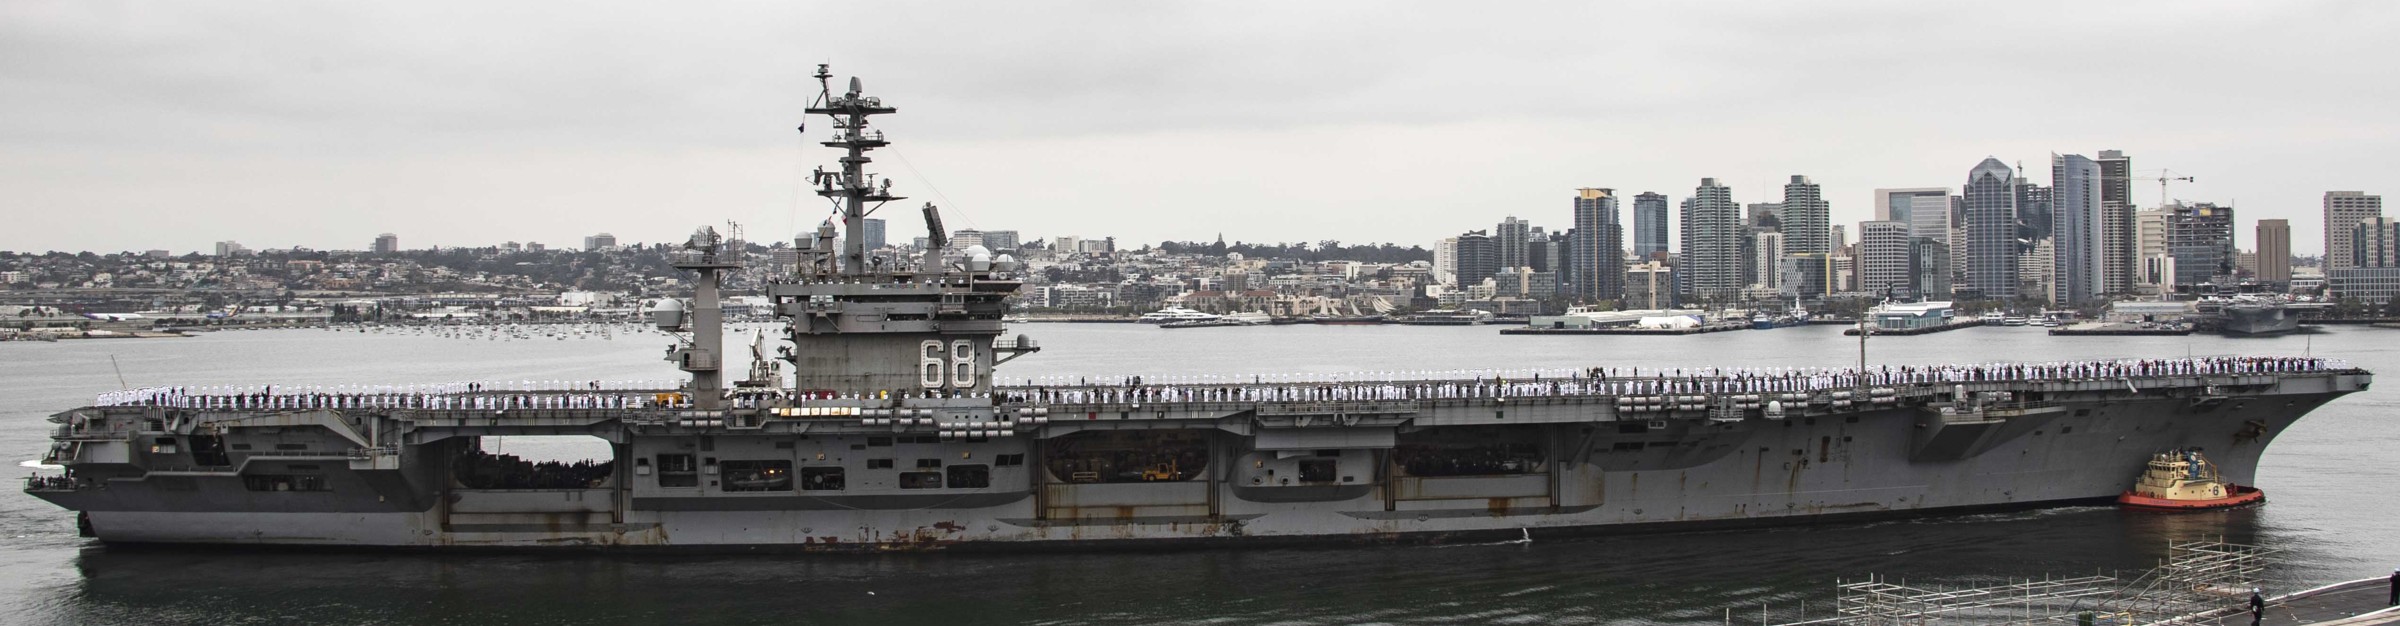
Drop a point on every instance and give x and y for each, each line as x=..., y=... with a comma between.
x=1649, y=285
x=1807, y=276
x=1510, y=236
x=1599, y=246
x=2200, y=239
x=1539, y=253
x=1840, y=238
x=2119, y=237
x=602, y=241
x=1926, y=211
x=2036, y=277
x=230, y=248
x=2375, y=242
x=1883, y=253
x=2275, y=251
x=2079, y=260
x=1445, y=261
x=1767, y=215
x=386, y=243
x=963, y=238
x=1898, y=205
x=1649, y=224
x=1929, y=268
x=2150, y=245
x=1060, y=246
x=1990, y=202
x=2343, y=210
x=871, y=233
x=1478, y=258
x=998, y=241
x=1807, y=219
x=1764, y=259
x=1711, y=266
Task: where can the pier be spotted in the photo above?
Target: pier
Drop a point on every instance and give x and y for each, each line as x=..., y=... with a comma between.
x=2109, y=329
x=1629, y=330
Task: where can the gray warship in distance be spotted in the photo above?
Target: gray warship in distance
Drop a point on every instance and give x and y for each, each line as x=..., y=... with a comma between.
x=892, y=433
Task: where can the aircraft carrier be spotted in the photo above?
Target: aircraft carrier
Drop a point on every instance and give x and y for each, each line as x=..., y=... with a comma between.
x=877, y=424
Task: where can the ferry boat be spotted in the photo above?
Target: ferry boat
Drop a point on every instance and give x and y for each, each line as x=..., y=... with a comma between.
x=2183, y=480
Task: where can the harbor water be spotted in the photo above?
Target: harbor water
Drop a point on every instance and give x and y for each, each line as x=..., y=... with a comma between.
x=2331, y=506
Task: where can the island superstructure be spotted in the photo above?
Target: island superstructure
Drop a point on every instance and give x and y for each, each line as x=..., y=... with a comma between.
x=892, y=431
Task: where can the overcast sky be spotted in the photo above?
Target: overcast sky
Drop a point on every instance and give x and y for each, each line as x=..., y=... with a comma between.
x=131, y=126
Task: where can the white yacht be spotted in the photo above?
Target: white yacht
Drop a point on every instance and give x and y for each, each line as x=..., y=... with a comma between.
x=1248, y=318
x=1174, y=314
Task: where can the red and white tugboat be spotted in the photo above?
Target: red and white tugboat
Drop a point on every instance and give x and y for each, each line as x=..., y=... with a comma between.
x=2182, y=480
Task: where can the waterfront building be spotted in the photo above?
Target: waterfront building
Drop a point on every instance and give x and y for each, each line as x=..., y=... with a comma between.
x=1649, y=285
x=2200, y=239
x=1808, y=276
x=1649, y=225
x=1521, y=282
x=599, y=242
x=1911, y=315
x=1990, y=203
x=871, y=232
x=1478, y=258
x=1710, y=268
x=2374, y=285
x=1074, y=297
x=1883, y=257
x=2274, y=241
x=1599, y=246
x=1807, y=219
x=2119, y=238
x=2343, y=210
x=2079, y=260
x=386, y=243
x=2375, y=242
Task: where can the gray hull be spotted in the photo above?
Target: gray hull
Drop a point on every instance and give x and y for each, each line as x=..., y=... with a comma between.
x=2259, y=320
x=1598, y=470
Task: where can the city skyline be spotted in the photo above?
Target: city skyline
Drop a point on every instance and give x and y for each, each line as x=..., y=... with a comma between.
x=324, y=127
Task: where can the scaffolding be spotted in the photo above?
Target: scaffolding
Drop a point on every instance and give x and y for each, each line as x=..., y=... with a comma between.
x=2197, y=579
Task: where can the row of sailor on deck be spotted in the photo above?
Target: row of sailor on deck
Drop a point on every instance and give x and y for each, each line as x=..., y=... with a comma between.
x=1594, y=381
x=1636, y=381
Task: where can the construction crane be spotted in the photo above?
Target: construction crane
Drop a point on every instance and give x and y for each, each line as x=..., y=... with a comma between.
x=2164, y=176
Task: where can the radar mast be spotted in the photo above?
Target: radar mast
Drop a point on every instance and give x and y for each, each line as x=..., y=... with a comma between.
x=851, y=189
